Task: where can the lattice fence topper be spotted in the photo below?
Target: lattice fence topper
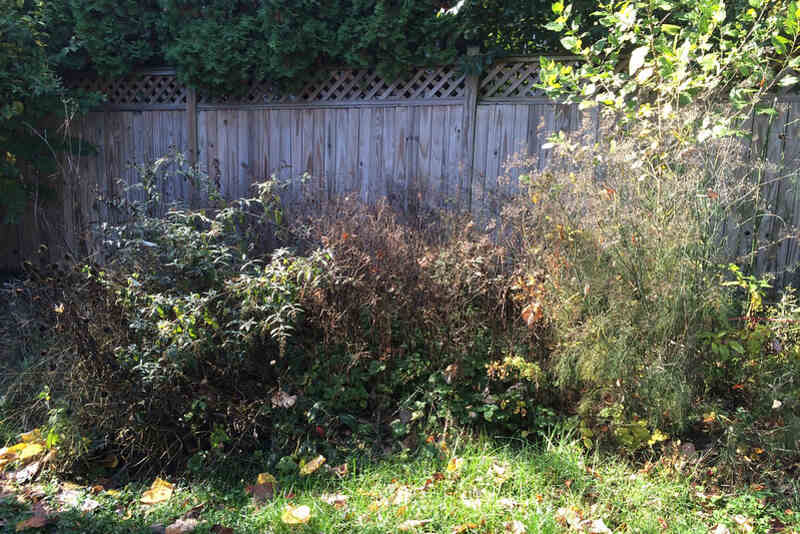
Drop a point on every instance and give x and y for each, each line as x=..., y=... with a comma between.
x=347, y=85
x=511, y=80
x=146, y=89
x=161, y=89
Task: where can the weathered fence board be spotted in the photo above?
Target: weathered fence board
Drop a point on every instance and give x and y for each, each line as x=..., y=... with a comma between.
x=431, y=139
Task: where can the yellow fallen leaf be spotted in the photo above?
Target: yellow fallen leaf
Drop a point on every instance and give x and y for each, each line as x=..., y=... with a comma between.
x=296, y=515
x=266, y=478
x=454, y=464
x=313, y=465
x=30, y=451
x=160, y=491
x=33, y=435
x=113, y=493
x=68, y=486
x=460, y=529
x=12, y=452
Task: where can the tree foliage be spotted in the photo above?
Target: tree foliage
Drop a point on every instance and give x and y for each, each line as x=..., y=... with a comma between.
x=27, y=87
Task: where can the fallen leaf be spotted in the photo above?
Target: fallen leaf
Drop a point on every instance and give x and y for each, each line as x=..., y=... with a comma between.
x=27, y=473
x=312, y=466
x=412, y=524
x=266, y=478
x=261, y=493
x=33, y=435
x=160, y=491
x=515, y=527
x=401, y=496
x=463, y=528
x=219, y=529
x=744, y=523
x=296, y=515
x=720, y=529
x=450, y=373
x=508, y=504
x=594, y=526
x=281, y=399
x=30, y=451
x=454, y=464
x=500, y=473
x=338, y=500
x=39, y=519
x=33, y=522
x=473, y=504
x=569, y=516
x=340, y=470
x=182, y=526
x=194, y=511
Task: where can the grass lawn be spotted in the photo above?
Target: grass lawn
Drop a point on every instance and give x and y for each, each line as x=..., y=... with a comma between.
x=472, y=486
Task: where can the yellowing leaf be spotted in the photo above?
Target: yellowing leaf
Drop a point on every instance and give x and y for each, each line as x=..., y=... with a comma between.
x=31, y=450
x=33, y=435
x=12, y=452
x=313, y=465
x=266, y=478
x=296, y=515
x=454, y=464
x=460, y=529
x=160, y=491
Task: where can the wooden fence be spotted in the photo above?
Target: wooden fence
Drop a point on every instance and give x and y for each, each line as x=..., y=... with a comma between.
x=434, y=138
x=430, y=139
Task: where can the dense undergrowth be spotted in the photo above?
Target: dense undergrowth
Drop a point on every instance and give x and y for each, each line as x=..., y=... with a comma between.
x=601, y=301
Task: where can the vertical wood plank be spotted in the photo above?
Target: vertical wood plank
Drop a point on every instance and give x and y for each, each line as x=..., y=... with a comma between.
x=391, y=137
x=330, y=151
x=482, y=127
x=469, y=121
x=423, y=189
x=191, y=125
x=244, y=165
x=455, y=171
x=298, y=160
x=364, y=144
x=376, y=189
x=438, y=186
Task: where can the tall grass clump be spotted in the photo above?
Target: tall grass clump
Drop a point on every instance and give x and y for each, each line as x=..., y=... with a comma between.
x=629, y=231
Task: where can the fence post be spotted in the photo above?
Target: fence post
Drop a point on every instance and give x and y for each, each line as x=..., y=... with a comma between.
x=471, y=86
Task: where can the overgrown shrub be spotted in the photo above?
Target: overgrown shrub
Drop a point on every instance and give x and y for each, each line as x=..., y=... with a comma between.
x=200, y=334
